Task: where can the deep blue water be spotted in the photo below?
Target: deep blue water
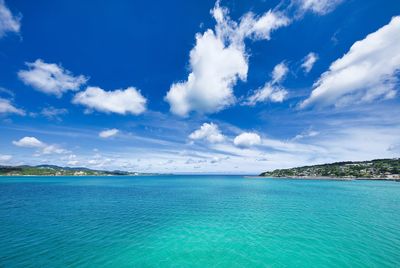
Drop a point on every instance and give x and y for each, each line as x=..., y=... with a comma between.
x=198, y=221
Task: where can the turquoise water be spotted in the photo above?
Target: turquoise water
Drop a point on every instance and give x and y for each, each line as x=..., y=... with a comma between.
x=197, y=221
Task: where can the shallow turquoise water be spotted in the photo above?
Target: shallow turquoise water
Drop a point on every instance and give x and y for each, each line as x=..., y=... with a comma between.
x=197, y=221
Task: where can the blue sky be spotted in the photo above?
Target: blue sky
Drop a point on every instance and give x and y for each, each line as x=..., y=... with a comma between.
x=198, y=86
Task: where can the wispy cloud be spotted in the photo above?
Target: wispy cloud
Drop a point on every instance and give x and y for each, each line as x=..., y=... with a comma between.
x=50, y=78
x=272, y=90
x=108, y=133
x=53, y=113
x=4, y=158
x=6, y=107
x=309, y=61
x=320, y=7
x=8, y=21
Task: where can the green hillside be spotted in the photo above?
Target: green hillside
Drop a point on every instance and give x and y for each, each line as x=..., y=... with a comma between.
x=50, y=170
x=379, y=168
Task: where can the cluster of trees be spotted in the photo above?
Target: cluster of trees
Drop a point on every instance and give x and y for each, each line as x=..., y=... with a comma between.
x=49, y=170
x=374, y=168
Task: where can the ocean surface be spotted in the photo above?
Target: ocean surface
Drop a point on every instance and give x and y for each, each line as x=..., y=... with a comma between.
x=198, y=221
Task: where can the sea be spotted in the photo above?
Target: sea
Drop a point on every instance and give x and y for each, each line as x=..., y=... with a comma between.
x=198, y=221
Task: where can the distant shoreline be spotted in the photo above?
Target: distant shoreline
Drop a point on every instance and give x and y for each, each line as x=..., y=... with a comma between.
x=98, y=175
x=323, y=178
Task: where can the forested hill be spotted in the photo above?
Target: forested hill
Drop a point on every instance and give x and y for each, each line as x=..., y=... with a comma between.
x=51, y=170
x=379, y=168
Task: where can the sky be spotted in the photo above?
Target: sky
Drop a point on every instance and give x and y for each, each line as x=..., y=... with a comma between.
x=231, y=87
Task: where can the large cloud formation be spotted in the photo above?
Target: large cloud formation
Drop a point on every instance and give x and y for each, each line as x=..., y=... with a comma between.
x=367, y=72
x=218, y=61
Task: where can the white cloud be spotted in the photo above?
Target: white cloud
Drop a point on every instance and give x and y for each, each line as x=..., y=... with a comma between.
x=247, y=139
x=73, y=162
x=108, y=133
x=53, y=113
x=279, y=73
x=373, y=134
x=209, y=132
x=271, y=91
x=268, y=92
x=7, y=108
x=53, y=149
x=217, y=159
x=120, y=101
x=99, y=161
x=250, y=26
x=307, y=134
x=8, y=22
x=215, y=70
x=319, y=7
x=366, y=73
x=195, y=161
x=5, y=158
x=30, y=142
x=218, y=61
x=309, y=61
x=50, y=78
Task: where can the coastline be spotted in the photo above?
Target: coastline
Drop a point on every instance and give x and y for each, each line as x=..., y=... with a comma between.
x=324, y=178
x=246, y=176
x=98, y=175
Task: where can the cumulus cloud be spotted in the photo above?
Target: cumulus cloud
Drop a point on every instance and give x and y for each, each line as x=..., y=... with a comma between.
x=309, y=61
x=6, y=107
x=218, y=61
x=367, y=72
x=8, y=21
x=120, y=101
x=247, y=139
x=32, y=142
x=108, y=133
x=50, y=78
x=272, y=90
x=319, y=7
x=209, y=132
